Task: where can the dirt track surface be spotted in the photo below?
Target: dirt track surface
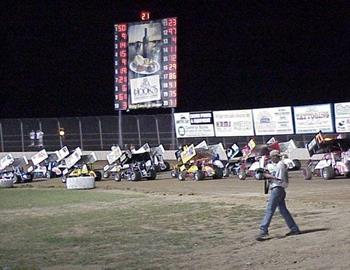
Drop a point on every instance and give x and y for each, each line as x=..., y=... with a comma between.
x=321, y=209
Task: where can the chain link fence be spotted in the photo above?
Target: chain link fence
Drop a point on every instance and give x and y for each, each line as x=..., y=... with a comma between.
x=100, y=133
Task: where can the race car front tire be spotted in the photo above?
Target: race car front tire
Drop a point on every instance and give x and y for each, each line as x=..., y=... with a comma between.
x=297, y=164
x=328, y=173
x=307, y=174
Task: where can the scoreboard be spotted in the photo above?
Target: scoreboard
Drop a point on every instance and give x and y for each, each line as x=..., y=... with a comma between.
x=146, y=64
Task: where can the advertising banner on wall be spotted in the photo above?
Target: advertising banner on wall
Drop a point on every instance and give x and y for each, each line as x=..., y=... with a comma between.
x=194, y=124
x=273, y=121
x=233, y=123
x=313, y=118
x=342, y=117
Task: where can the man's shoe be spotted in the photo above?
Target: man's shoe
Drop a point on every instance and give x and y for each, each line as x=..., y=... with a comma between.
x=293, y=233
x=262, y=236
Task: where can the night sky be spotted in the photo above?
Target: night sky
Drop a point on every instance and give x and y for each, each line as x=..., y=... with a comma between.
x=57, y=56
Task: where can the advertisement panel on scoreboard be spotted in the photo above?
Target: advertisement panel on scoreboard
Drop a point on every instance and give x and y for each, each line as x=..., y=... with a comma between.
x=146, y=64
x=342, y=117
x=313, y=118
x=273, y=121
x=233, y=123
x=194, y=124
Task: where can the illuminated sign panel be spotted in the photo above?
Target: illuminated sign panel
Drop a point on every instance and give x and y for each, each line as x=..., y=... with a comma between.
x=194, y=124
x=233, y=123
x=273, y=121
x=146, y=64
x=342, y=117
x=313, y=118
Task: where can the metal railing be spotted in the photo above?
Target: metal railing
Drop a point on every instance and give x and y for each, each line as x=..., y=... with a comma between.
x=101, y=132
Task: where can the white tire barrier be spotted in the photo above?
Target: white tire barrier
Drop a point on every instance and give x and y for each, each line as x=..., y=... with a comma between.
x=81, y=182
x=6, y=183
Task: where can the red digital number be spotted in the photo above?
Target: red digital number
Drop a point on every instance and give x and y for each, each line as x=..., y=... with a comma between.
x=123, y=70
x=122, y=53
x=172, y=66
x=172, y=93
x=172, y=84
x=172, y=49
x=145, y=15
x=172, y=22
x=172, y=76
x=123, y=45
x=172, y=58
x=172, y=31
x=121, y=27
x=172, y=102
x=122, y=79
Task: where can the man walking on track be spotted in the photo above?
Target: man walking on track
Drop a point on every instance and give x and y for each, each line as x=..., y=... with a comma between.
x=278, y=183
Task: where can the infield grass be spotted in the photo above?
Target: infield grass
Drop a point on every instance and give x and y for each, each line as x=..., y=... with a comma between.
x=99, y=229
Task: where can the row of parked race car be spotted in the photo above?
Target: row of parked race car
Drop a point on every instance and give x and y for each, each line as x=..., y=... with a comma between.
x=130, y=165
x=329, y=157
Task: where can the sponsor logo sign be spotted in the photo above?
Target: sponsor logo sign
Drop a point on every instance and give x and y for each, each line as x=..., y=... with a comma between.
x=233, y=123
x=273, y=121
x=342, y=117
x=195, y=124
x=313, y=118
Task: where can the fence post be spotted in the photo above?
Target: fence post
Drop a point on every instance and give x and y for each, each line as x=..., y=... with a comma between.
x=58, y=132
x=100, y=130
x=80, y=134
x=157, y=129
x=120, y=129
x=138, y=130
x=22, y=135
x=173, y=128
x=1, y=138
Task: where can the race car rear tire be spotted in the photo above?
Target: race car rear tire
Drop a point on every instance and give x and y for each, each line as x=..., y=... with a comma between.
x=80, y=182
x=16, y=179
x=347, y=166
x=181, y=176
x=226, y=172
x=167, y=165
x=198, y=175
x=98, y=176
x=117, y=177
x=153, y=175
x=242, y=175
x=328, y=173
x=259, y=176
x=307, y=173
x=219, y=173
x=64, y=179
x=48, y=175
x=174, y=174
x=297, y=164
x=135, y=176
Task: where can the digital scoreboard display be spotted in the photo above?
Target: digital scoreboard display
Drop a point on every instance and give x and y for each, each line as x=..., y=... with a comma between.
x=146, y=64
